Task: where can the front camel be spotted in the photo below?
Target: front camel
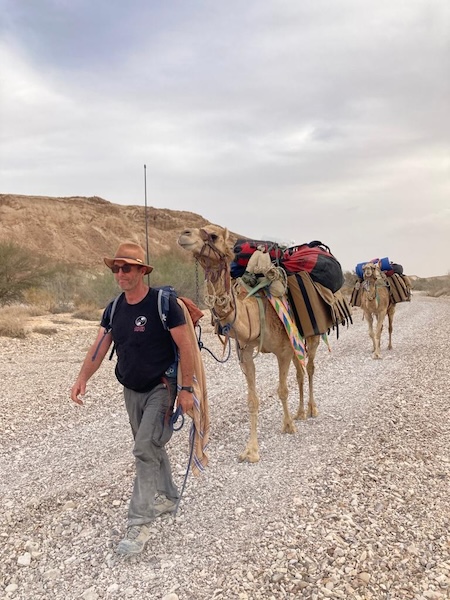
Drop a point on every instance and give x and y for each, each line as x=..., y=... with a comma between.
x=231, y=308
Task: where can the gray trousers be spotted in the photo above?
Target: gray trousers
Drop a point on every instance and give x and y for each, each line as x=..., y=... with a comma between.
x=148, y=415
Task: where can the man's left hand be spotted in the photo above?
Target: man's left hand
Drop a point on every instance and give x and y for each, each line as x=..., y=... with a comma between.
x=185, y=400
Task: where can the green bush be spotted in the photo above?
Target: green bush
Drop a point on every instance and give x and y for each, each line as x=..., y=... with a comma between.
x=61, y=288
x=183, y=276
x=20, y=270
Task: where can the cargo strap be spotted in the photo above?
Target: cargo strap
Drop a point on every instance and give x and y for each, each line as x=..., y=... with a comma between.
x=262, y=317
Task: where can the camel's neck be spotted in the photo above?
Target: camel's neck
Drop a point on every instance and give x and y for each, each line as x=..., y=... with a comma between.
x=218, y=293
x=230, y=306
x=371, y=284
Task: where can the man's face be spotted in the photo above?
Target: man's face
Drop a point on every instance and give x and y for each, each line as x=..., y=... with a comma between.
x=129, y=278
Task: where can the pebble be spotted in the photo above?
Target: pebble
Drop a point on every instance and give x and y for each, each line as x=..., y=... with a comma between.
x=24, y=560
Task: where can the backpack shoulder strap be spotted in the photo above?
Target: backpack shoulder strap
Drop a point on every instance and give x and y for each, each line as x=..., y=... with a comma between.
x=112, y=311
x=114, y=304
x=164, y=294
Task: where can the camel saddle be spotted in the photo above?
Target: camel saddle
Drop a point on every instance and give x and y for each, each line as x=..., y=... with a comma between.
x=399, y=290
x=316, y=308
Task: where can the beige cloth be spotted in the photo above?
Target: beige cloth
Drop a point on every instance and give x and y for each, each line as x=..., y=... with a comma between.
x=200, y=412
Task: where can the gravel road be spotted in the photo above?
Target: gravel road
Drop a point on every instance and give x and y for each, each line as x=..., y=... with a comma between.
x=354, y=505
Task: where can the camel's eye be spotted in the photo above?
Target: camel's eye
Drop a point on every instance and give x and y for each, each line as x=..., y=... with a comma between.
x=214, y=237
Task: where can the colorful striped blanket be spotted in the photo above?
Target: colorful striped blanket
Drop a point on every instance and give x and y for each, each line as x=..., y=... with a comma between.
x=283, y=310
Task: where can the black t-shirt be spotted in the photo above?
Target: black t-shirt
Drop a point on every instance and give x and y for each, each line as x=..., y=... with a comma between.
x=145, y=350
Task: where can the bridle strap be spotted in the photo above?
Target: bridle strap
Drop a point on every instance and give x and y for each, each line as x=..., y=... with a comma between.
x=211, y=274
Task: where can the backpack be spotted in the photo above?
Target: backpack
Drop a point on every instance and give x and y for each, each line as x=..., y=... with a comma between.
x=316, y=259
x=395, y=268
x=243, y=250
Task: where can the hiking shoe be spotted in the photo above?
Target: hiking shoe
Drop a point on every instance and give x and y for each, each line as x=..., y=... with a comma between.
x=163, y=505
x=135, y=540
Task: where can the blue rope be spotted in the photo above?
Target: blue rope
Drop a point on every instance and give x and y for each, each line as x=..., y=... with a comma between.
x=225, y=331
x=178, y=414
x=192, y=436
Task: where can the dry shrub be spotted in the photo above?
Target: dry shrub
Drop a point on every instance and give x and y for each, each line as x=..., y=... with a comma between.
x=434, y=286
x=39, y=299
x=18, y=311
x=88, y=312
x=45, y=330
x=12, y=321
x=36, y=311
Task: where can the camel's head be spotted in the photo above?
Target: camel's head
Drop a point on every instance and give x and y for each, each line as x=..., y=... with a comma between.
x=371, y=270
x=208, y=244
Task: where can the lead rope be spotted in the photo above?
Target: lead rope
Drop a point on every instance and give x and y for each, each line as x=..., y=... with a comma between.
x=174, y=418
x=192, y=439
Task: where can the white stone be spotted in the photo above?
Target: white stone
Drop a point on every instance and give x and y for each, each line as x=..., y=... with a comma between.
x=90, y=594
x=24, y=560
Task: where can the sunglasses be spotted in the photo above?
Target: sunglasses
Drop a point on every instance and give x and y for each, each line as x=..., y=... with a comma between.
x=126, y=268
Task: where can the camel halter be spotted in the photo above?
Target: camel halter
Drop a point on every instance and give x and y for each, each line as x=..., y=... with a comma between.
x=213, y=274
x=371, y=287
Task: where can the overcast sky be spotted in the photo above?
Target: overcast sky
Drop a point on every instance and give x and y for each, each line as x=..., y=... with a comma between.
x=288, y=120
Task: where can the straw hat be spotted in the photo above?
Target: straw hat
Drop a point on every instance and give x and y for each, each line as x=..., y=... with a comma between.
x=130, y=253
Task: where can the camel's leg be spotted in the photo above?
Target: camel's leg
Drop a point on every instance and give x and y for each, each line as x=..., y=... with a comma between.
x=378, y=330
x=284, y=362
x=251, y=452
x=369, y=317
x=312, y=343
x=300, y=372
x=390, y=313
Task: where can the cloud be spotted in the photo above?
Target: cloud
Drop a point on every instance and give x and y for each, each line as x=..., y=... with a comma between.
x=308, y=120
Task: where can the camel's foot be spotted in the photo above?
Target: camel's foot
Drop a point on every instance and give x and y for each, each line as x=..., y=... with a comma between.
x=289, y=427
x=312, y=411
x=376, y=356
x=249, y=455
x=300, y=415
x=390, y=347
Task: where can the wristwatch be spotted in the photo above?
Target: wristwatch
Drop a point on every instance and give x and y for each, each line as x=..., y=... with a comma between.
x=188, y=388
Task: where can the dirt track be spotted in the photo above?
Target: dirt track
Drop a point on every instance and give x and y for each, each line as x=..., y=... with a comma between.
x=355, y=505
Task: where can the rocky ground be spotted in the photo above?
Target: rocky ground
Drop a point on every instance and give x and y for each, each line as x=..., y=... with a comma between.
x=355, y=505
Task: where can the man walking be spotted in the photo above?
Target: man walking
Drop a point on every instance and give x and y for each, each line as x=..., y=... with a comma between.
x=145, y=367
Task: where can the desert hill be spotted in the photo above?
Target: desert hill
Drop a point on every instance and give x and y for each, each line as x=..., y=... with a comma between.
x=80, y=231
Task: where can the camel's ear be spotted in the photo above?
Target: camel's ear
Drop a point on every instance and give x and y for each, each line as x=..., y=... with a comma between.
x=229, y=245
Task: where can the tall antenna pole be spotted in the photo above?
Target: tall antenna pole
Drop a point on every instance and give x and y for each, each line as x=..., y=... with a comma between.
x=146, y=220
